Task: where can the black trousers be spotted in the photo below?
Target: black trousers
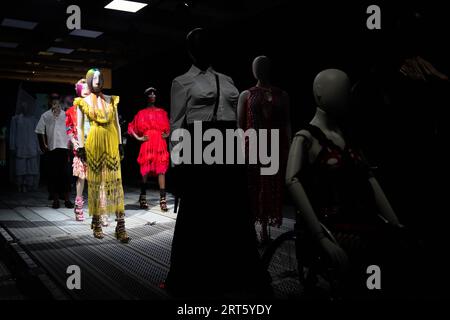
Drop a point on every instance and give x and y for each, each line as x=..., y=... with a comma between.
x=58, y=169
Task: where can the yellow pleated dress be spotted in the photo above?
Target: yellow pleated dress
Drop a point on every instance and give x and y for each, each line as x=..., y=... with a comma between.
x=105, y=191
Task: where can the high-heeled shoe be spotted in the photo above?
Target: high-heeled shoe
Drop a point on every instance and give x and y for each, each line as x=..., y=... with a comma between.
x=143, y=202
x=163, y=204
x=121, y=232
x=79, y=214
x=96, y=226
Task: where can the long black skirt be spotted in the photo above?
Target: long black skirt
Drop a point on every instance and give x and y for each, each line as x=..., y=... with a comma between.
x=214, y=249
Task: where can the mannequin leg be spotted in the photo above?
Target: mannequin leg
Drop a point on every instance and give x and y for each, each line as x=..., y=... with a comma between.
x=80, y=187
x=121, y=233
x=143, y=197
x=162, y=192
x=79, y=201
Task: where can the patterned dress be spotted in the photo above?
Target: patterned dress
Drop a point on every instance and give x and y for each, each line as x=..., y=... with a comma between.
x=153, y=156
x=79, y=167
x=265, y=110
x=105, y=191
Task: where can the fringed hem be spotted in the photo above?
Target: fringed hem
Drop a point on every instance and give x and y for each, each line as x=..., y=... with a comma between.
x=105, y=198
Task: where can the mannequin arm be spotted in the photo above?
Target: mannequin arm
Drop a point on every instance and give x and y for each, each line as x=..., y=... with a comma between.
x=382, y=203
x=178, y=106
x=137, y=137
x=117, y=124
x=80, y=128
x=296, y=190
x=241, y=109
x=73, y=141
x=295, y=162
x=43, y=142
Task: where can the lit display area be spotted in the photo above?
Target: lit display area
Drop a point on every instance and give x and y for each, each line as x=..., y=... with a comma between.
x=224, y=159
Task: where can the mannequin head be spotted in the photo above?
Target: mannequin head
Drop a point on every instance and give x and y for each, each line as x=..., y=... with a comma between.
x=199, y=47
x=151, y=95
x=81, y=88
x=94, y=79
x=332, y=92
x=261, y=69
x=54, y=101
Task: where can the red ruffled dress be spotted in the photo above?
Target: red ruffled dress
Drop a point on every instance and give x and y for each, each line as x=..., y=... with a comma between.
x=153, y=156
x=79, y=168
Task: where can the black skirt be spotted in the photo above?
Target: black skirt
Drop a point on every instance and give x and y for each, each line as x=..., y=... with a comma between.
x=214, y=249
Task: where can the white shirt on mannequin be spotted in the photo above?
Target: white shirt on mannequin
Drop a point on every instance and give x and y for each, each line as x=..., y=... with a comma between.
x=193, y=96
x=54, y=128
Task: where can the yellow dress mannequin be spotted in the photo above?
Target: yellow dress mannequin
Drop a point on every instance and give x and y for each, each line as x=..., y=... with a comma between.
x=105, y=193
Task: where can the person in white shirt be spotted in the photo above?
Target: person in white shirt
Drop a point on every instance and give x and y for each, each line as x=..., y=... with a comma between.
x=53, y=140
x=214, y=251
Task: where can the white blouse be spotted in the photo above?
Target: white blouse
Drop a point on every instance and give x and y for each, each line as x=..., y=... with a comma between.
x=193, y=96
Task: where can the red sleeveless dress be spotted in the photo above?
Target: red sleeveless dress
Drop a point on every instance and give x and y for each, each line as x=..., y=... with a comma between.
x=153, y=156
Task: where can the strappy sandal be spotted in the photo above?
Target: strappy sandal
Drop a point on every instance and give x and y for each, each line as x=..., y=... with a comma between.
x=143, y=202
x=96, y=226
x=163, y=204
x=104, y=219
x=121, y=233
x=79, y=214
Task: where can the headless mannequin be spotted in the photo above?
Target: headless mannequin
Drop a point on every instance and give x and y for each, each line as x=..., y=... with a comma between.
x=213, y=217
x=151, y=96
x=261, y=73
x=331, y=92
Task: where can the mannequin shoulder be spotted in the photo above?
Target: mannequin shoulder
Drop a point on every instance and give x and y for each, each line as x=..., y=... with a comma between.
x=182, y=80
x=245, y=94
x=225, y=77
x=162, y=110
x=112, y=99
x=304, y=136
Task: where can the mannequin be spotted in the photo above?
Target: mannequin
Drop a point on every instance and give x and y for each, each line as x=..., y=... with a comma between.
x=323, y=150
x=151, y=127
x=103, y=152
x=53, y=140
x=214, y=249
x=79, y=167
x=266, y=107
x=24, y=144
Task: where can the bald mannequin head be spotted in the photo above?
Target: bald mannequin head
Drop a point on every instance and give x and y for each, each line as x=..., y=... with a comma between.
x=332, y=91
x=261, y=68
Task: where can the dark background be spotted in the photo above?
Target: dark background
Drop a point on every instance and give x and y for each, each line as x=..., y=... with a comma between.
x=405, y=138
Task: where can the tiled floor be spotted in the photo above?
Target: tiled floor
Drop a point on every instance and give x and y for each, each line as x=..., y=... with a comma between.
x=109, y=269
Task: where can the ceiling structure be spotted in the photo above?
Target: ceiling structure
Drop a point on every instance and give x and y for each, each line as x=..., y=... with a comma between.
x=36, y=45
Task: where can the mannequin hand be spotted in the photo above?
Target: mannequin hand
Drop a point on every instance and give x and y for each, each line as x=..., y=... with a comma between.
x=337, y=256
x=165, y=135
x=45, y=148
x=76, y=144
x=144, y=138
x=121, y=151
x=81, y=153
